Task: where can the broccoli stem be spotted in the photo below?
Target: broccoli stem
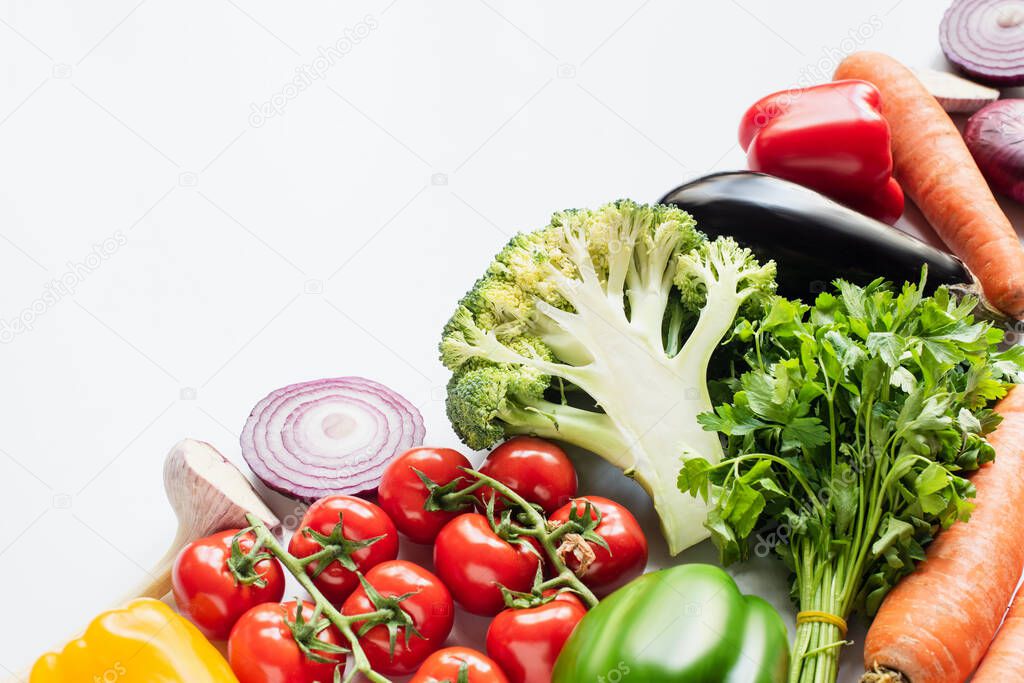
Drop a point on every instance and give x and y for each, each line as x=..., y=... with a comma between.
x=587, y=429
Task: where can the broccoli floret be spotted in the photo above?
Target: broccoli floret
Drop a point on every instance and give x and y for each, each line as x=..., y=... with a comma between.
x=625, y=303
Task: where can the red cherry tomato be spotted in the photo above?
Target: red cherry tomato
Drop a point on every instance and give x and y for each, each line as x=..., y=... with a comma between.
x=444, y=666
x=429, y=605
x=262, y=650
x=625, y=538
x=206, y=590
x=473, y=562
x=526, y=642
x=402, y=493
x=362, y=521
x=536, y=469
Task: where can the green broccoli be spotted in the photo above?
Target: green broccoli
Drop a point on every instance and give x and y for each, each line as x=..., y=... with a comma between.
x=625, y=303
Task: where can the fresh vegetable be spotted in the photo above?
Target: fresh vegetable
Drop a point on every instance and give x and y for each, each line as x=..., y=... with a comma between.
x=459, y=665
x=829, y=137
x=936, y=169
x=936, y=624
x=218, y=578
x=536, y=469
x=687, y=623
x=390, y=615
x=142, y=642
x=328, y=436
x=403, y=495
x=956, y=95
x=778, y=219
x=475, y=559
x=526, y=641
x=597, y=297
x=494, y=552
x=428, y=608
x=339, y=536
x=208, y=494
x=622, y=555
x=284, y=643
x=994, y=136
x=985, y=39
x=848, y=440
x=1003, y=661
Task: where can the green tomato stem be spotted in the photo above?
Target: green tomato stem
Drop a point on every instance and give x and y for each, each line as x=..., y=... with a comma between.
x=559, y=531
x=463, y=498
x=342, y=622
x=310, y=559
x=538, y=529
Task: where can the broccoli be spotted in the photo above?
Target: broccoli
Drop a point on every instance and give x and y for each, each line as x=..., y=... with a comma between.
x=626, y=304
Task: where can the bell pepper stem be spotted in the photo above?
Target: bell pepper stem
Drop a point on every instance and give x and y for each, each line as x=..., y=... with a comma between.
x=536, y=528
x=297, y=568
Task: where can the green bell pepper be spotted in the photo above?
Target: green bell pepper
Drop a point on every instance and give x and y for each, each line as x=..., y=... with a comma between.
x=688, y=623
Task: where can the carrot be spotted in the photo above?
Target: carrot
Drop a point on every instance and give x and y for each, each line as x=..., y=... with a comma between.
x=936, y=624
x=1004, y=660
x=935, y=168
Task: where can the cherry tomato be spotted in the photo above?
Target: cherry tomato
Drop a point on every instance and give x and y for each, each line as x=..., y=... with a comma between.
x=262, y=649
x=402, y=493
x=536, y=469
x=361, y=521
x=526, y=642
x=207, y=591
x=429, y=605
x=444, y=666
x=625, y=539
x=473, y=562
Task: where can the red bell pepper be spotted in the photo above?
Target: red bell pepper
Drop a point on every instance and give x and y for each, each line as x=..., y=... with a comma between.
x=831, y=138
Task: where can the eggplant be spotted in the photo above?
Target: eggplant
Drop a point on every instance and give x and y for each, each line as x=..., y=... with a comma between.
x=812, y=239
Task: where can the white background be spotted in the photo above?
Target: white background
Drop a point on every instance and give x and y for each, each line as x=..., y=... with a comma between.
x=329, y=239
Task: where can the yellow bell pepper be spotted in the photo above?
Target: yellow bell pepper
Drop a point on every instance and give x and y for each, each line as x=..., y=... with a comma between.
x=144, y=642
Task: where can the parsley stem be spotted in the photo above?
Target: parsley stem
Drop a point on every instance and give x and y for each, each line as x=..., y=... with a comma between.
x=780, y=461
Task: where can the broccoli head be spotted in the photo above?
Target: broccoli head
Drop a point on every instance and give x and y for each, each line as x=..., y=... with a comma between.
x=619, y=309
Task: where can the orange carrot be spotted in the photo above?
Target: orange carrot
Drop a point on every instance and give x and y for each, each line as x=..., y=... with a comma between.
x=936, y=624
x=935, y=168
x=1004, y=660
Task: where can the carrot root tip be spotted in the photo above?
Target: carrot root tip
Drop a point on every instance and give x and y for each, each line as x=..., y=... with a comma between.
x=879, y=674
x=983, y=309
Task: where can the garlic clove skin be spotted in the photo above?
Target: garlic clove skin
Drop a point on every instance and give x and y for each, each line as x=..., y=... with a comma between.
x=208, y=493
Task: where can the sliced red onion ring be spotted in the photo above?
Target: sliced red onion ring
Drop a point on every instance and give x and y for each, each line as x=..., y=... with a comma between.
x=328, y=436
x=985, y=39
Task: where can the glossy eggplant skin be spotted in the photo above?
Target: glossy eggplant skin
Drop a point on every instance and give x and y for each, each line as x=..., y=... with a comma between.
x=812, y=239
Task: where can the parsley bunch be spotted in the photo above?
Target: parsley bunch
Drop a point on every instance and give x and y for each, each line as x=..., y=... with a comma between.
x=850, y=434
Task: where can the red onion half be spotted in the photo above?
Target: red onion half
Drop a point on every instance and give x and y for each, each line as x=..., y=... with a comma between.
x=328, y=436
x=985, y=39
x=995, y=136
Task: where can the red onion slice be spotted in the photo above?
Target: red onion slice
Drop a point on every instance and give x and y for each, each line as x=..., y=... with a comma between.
x=985, y=39
x=328, y=436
